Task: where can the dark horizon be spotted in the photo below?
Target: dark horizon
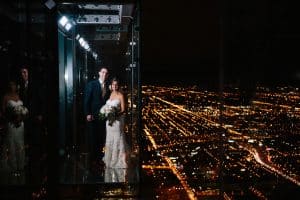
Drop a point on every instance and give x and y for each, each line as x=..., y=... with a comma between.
x=211, y=79
x=254, y=42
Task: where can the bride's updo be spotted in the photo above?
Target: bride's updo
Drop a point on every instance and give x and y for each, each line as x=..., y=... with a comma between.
x=115, y=79
x=12, y=87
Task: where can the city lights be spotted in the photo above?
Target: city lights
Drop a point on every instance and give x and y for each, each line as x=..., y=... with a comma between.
x=188, y=147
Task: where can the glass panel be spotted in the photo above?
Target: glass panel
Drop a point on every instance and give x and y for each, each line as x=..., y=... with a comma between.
x=92, y=36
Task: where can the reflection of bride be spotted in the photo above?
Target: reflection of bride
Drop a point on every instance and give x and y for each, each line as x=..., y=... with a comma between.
x=14, y=112
x=115, y=145
x=114, y=175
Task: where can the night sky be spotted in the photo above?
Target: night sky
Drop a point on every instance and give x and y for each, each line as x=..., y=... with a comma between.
x=179, y=40
x=186, y=42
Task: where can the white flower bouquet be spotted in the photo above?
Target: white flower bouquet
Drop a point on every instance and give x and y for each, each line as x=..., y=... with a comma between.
x=110, y=113
x=17, y=114
x=20, y=110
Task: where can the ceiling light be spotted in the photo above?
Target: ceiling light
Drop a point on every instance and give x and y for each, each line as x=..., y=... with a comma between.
x=68, y=26
x=63, y=20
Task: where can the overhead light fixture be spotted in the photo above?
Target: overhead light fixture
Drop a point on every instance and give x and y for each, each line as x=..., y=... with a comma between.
x=81, y=41
x=63, y=20
x=132, y=43
x=95, y=55
x=86, y=46
x=100, y=7
x=68, y=26
x=66, y=23
x=98, y=19
x=50, y=4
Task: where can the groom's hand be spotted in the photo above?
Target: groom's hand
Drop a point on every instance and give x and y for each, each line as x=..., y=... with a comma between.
x=89, y=118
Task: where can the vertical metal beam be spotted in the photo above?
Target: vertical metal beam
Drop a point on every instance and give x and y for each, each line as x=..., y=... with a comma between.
x=139, y=85
x=132, y=75
x=74, y=88
x=61, y=57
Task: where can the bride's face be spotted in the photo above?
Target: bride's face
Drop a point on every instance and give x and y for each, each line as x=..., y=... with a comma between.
x=12, y=86
x=114, y=86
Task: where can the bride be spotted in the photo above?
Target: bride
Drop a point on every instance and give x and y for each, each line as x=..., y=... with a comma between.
x=115, y=145
x=14, y=112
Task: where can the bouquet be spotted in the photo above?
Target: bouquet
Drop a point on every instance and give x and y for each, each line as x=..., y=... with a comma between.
x=16, y=114
x=110, y=113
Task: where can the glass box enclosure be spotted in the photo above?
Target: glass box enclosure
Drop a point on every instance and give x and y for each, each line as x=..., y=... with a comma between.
x=91, y=36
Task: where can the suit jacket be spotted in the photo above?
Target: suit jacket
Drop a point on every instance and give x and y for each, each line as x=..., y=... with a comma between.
x=33, y=98
x=93, y=99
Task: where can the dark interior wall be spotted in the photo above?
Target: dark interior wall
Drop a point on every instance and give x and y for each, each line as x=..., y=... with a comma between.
x=8, y=49
x=28, y=31
x=16, y=40
x=24, y=40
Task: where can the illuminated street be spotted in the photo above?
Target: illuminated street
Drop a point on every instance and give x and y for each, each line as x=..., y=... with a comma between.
x=213, y=148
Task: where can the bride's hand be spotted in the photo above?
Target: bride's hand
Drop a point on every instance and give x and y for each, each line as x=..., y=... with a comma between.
x=122, y=113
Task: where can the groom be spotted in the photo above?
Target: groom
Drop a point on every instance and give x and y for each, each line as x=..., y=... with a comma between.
x=96, y=94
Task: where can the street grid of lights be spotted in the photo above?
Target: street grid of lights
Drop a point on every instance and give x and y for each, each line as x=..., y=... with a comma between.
x=67, y=25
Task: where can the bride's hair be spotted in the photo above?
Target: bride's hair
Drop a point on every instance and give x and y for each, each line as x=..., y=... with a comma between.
x=12, y=86
x=115, y=79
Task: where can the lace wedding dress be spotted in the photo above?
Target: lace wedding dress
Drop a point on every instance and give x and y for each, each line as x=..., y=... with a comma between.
x=14, y=141
x=115, y=144
x=115, y=175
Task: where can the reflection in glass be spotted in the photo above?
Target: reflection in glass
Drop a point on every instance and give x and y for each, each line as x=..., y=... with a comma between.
x=113, y=175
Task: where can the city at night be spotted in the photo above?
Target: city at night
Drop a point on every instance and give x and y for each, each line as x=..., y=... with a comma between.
x=137, y=99
x=200, y=146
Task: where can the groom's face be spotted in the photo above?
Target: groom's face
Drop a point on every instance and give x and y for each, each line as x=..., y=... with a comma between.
x=103, y=74
x=24, y=73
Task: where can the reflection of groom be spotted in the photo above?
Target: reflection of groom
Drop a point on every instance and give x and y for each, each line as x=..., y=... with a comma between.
x=96, y=94
x=32, y=95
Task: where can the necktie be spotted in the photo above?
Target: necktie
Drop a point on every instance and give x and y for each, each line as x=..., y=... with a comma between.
x=103, y=89
x=25, y=94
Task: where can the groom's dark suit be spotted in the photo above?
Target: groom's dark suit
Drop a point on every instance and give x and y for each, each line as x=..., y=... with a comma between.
x=93, y=101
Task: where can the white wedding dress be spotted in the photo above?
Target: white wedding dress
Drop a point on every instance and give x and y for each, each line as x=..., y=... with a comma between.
x=115, y=144
x=14, y=142
x=115, y=175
